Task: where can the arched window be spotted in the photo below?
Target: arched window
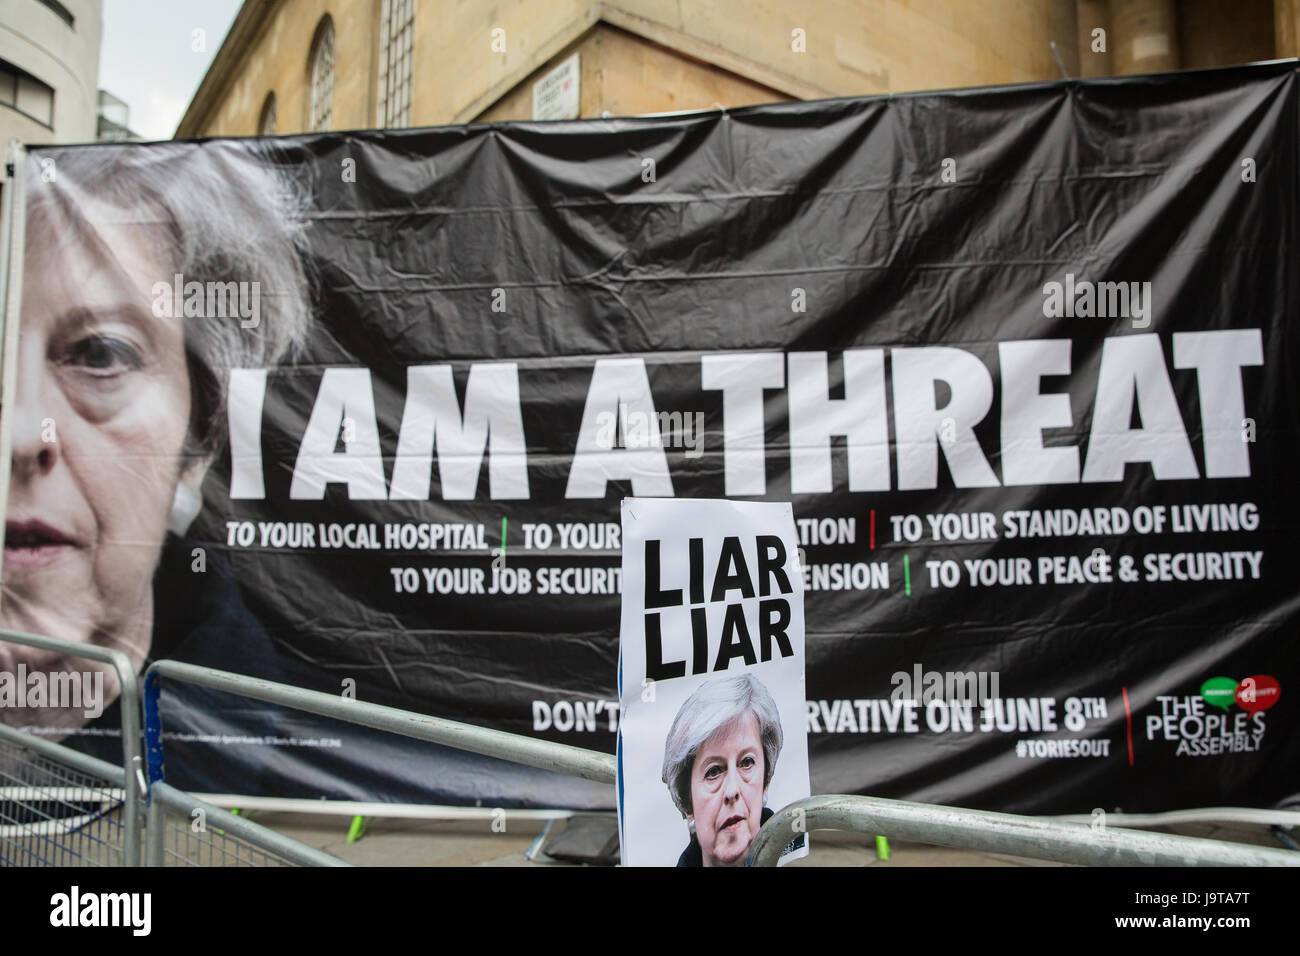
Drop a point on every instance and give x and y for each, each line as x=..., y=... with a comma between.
x=322, y=76
x=396, y=32
x=266, y=123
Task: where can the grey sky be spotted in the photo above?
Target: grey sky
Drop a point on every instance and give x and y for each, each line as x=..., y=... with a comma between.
x=148, y=58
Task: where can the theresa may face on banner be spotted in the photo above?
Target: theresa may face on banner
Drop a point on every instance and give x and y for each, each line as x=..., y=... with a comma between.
x=719, y=758
x=119, y=401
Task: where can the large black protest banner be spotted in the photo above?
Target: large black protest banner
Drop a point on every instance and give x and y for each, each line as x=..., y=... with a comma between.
x=1020, y=358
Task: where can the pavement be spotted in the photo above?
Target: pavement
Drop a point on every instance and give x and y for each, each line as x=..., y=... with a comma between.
x=390, y=841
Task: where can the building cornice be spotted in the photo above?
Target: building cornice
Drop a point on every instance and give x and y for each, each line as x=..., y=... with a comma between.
x=255, y=14
x=235, y=49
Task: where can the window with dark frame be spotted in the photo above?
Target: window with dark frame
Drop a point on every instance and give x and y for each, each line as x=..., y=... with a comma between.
x=26, y=94
x=322, y=77
x=60, y=11
x=396, y=35
x=266, y=123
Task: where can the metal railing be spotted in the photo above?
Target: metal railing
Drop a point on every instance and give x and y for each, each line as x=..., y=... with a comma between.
x=924, y=823
x=210, y=836
x=58, y=807
x=1009, y=833
x=529, y=751
x=41, y=778
x=225, y=839
x=48, y=791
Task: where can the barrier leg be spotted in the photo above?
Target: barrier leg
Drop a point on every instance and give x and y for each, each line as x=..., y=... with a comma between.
x=155, y=833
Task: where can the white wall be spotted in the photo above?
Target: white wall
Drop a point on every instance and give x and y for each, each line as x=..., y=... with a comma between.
x=35, y=39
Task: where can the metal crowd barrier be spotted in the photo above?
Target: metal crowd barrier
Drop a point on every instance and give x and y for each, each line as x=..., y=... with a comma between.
x=59, y=807
x=207, y=835
x=224, y=839
x=1010, y=833
x=40, y=777
x=516, y=748
x=924, y=823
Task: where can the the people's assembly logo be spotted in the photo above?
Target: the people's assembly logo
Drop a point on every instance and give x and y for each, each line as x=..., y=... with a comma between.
x=1227, y=716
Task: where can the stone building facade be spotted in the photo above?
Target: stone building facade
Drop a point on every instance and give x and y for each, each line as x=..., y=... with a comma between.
x=289, y=66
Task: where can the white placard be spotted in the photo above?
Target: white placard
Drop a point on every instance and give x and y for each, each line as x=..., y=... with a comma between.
x=713, y=733
x=556, y=95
